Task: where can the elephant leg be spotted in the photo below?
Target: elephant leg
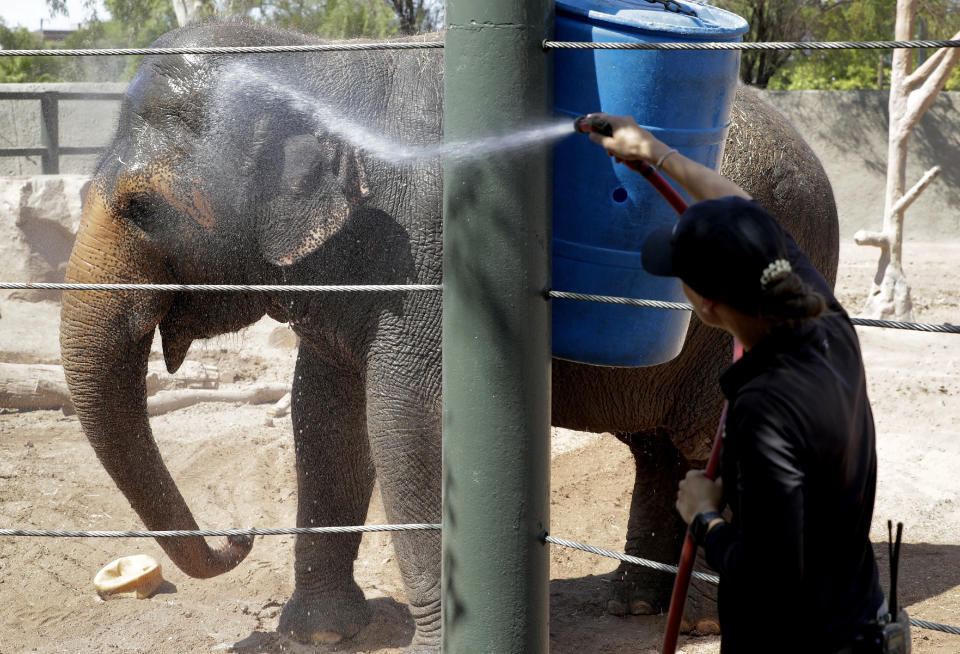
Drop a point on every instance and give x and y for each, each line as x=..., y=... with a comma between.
x=334, y=483
x=656, y=532
x=405, y=443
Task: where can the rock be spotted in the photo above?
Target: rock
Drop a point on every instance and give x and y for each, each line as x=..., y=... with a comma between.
x=39, y=216
x=284, y=338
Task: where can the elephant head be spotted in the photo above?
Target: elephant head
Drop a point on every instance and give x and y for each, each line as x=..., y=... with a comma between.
x=148, y=218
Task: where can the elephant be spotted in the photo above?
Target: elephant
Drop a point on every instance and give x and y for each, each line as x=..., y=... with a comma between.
x=228, y=169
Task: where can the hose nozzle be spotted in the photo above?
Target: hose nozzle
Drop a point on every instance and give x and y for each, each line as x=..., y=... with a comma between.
x=587, y=124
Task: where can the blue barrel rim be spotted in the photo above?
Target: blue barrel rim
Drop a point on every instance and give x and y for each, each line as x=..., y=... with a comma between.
x=710, y=23
x=599, y=229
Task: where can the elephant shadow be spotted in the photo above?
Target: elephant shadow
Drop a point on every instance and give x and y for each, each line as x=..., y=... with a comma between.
x=578, y=606
x=926, y=570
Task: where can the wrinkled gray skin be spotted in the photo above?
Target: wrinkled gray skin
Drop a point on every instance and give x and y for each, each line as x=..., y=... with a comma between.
x=214, y=178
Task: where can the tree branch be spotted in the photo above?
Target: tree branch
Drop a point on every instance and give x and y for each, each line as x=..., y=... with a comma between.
x=934, y=65
x=918, y=188
x=876, y=239
x=920, y=99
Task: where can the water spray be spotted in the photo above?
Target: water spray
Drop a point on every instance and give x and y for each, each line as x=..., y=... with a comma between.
x=326, y=116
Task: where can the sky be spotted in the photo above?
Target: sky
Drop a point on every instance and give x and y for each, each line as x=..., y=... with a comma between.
x=29, y=13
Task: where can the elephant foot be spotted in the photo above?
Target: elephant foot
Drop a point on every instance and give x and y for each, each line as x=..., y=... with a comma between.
x=704, y=627
x=633, y=593
x=423, y=648
x=700, y=616
x=635, y=607
x=324, y=617
x=426, y=616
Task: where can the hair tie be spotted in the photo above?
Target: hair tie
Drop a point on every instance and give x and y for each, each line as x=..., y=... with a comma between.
x=775, y=271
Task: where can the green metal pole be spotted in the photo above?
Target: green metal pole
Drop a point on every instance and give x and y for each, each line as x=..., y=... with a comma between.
x=496, y=333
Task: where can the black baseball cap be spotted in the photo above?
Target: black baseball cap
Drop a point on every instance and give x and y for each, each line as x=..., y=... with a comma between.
x=720, y=248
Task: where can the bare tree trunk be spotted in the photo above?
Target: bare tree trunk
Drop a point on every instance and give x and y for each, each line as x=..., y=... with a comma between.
x=190, y=11
x=911, y=94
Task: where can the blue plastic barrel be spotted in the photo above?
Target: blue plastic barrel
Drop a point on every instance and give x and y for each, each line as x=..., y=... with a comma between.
x=603, y=211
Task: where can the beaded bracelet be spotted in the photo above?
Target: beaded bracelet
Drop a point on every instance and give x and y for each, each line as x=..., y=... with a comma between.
x=664, y=157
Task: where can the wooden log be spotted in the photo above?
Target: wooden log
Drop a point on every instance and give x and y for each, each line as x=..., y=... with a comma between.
x=190, y=374
x=33, y=386
x=166, y=401
x=281, y=408
x=42, y=386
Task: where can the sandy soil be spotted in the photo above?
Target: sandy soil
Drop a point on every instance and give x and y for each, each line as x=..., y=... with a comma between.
x=50, y=479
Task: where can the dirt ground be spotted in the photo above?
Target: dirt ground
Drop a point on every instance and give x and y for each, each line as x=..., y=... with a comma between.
x=50, y=479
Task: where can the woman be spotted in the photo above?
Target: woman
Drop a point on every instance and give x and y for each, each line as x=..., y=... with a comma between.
x=797, y=570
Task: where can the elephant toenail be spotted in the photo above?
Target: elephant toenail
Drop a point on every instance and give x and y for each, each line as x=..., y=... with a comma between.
x=639, y=607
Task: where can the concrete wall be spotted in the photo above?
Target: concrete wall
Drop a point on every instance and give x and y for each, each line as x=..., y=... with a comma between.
x=848, y=131
x=82, y=123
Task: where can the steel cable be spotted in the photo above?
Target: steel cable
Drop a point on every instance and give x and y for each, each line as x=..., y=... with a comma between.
x=945, y=328
x=743, y=45
x=547, y=45
x=923, y=624
x=224, y=288
x=713, y=579
x=663, y=567
x=610, y=299
x=216, y=532
x=243, y=49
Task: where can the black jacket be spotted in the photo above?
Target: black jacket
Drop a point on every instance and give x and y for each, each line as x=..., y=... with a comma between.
x=797, y=570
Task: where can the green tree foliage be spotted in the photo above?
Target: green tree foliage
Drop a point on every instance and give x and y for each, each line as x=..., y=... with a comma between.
x=833, y=20
x=333, y=19
x=866, y=20
x=137, y=23
x=140, y=22
x=413, y=14
x=133, y=24
x=772, y=20
x=25, y=69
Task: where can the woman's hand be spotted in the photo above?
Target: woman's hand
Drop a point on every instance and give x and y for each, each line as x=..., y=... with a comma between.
x=629, y=141
x=697, y=494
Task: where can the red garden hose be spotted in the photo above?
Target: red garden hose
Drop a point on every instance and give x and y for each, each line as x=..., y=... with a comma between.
x=678, y=599
x=689, y=552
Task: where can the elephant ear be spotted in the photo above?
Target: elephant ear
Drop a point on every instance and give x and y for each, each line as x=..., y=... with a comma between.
x=320, y=182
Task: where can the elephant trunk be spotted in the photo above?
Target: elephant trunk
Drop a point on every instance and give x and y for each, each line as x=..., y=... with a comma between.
x=105, y=340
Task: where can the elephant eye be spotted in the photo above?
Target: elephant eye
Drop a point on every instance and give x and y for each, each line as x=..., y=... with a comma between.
x=302, y=155
x=144, y=211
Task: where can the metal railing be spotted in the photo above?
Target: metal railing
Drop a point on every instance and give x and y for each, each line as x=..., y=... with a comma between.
x=50, y=151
